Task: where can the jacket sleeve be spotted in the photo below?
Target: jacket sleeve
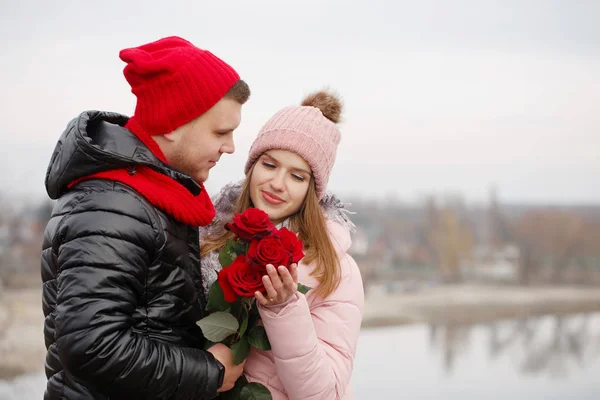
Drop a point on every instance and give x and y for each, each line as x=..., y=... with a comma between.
x=314, y=348
x=103, y=258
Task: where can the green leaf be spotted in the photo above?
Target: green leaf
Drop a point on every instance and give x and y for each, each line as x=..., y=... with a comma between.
x=254, y=316
x=226, y=256
x=217, y=326
x=255, y=391
x=216, y=298
x=244, y=325
x=236, y=307
x=234, y=394
x=240, y=350
x=257, y=337
x=238, y=247
x=230, y=251
x=242, y=309
x=303, y=288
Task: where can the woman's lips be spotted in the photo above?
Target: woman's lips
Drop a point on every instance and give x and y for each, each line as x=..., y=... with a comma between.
x=271, y=198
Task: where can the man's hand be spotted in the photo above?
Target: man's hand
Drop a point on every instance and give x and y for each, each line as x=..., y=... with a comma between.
x=232, y=372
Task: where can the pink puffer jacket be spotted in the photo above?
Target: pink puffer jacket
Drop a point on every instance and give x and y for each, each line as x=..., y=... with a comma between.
x=313, y=340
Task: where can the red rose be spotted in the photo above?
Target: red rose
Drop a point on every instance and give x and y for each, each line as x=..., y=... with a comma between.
x=223, y=278
x=290, y=241
x=252, y=223
x=268, y=250
x=240, y=279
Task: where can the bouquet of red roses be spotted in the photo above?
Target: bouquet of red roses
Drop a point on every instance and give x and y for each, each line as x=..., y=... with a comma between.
x=234, y=316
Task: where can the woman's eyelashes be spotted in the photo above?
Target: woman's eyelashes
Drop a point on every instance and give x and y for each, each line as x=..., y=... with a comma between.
x=296, y=177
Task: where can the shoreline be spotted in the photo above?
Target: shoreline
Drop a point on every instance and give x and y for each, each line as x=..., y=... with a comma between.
x=476, y=304
x=22, y=349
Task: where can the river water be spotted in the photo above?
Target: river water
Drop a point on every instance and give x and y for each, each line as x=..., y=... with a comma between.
x=536, y=358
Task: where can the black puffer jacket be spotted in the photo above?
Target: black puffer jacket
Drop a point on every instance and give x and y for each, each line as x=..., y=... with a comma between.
x=121, y=278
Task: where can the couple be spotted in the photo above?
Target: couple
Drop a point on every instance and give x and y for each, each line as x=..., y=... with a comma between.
x=131, y=248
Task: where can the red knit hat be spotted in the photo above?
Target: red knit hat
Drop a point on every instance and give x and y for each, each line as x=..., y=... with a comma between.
x=174, y=82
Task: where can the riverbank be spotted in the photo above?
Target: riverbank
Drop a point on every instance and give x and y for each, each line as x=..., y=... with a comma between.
x=21, y=320
x=22, y=347
x=475, y=303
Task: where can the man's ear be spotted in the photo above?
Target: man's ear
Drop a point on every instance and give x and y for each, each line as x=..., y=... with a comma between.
x=171, y=136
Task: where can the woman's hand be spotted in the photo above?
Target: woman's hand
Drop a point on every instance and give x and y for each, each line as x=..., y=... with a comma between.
x=279, y=286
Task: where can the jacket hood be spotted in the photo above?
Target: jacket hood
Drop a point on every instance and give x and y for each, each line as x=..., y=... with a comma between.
x=97, y=141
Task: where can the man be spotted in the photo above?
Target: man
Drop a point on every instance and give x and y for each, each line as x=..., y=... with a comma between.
x=120, y=260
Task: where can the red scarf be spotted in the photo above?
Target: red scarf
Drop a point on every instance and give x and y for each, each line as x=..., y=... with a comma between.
x=160, y=190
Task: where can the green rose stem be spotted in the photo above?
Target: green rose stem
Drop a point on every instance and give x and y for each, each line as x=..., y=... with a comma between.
x=245, y=307
x=237, y=336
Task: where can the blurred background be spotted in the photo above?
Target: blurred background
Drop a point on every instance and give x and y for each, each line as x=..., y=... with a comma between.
x=470, y=156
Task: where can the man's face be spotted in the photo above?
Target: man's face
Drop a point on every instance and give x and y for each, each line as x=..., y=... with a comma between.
x=197, y=146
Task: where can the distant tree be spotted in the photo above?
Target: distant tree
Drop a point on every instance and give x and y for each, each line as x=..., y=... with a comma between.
x=451, y=241
x=550, y=238
x=43, y=212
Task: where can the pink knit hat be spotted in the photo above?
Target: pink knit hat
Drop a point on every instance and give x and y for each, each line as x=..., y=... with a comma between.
x=308, y=130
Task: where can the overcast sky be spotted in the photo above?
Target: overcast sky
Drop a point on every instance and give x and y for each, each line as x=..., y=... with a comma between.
x=440, y=96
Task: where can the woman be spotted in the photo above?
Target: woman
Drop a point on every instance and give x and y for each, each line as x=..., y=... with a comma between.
x=314, y=336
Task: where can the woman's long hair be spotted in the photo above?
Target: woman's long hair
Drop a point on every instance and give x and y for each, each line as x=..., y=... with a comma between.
x=310, y=225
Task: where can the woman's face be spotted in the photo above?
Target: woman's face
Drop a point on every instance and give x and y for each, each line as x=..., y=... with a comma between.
x=279, y=183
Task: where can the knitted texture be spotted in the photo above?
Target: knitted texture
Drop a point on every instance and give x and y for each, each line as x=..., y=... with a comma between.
x=305, y=131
